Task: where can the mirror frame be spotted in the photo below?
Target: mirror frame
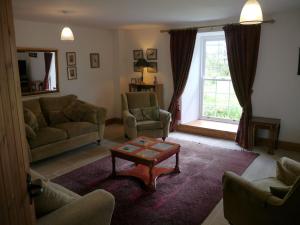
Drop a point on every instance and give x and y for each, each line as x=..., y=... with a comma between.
x=29, y=49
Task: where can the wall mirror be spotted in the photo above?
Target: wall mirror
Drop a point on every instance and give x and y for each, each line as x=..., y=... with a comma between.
x=38, y=70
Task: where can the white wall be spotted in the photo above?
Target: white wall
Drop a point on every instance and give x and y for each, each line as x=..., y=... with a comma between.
x=93, y=85
x=277, y=86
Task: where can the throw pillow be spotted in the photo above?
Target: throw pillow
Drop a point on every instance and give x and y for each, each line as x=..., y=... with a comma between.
x=50, y=200
x=31, y=119
x=74, y=111
x=30, y=134
x=151, y=113
x=137, y=113
x=280, y=192
x=56, y=117
x=284, y=175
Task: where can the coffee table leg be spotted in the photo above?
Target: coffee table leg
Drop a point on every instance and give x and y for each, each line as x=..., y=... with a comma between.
x=113, y=160
x=152, y=183
x=177, y=170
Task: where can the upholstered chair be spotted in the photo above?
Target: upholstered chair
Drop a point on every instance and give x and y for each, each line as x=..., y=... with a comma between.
x=142, y=116
x=269, y=201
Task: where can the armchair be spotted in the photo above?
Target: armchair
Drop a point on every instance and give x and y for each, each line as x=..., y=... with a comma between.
x=141, y=116
x=269, y=201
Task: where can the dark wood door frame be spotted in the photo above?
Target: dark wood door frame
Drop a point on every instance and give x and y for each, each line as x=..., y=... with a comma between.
x=15, y=208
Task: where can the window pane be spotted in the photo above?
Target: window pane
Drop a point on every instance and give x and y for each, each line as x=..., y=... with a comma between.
x=210, y=86
x=223, y=87
x=209, y=111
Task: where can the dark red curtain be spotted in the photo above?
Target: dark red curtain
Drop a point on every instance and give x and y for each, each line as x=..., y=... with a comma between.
x=48, y=59
x=242, y=50
x=182, y=43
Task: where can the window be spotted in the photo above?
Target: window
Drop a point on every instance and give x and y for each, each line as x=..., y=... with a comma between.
x=218, y=99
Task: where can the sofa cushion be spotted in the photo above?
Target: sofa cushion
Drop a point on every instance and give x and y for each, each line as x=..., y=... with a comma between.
x=280, y=192
x=47, y=135
x=50, y=200
x=30, y=119
x=34, y=106
x=49, y=104
x=265, y=184
x=137, y=113
x=56, y=117
x=149, y=125
x=74, y=129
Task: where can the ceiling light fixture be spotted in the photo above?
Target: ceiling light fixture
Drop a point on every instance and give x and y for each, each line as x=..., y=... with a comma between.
x=251, y=13
x=66, y=33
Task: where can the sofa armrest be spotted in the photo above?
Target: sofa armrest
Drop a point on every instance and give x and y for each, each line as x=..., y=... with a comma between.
x=100, y=111
x=95, y=208
x=128, y=119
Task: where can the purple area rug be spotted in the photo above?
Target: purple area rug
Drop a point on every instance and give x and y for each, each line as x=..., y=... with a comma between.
x=181, y=199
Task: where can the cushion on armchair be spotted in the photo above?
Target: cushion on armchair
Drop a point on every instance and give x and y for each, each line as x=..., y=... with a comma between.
x=147, y=113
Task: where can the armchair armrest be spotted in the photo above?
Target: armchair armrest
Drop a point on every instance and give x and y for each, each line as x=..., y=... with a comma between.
x=165, y=116
x=240, y=186
x=128, y=119
x=95, y=208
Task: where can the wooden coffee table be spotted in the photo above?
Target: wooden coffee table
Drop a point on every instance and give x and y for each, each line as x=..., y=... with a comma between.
x=146, y=153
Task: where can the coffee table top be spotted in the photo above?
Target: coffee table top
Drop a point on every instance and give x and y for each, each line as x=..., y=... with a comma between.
x=147, y=149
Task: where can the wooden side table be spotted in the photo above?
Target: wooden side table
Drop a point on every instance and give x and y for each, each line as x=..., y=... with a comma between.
x=271, y=124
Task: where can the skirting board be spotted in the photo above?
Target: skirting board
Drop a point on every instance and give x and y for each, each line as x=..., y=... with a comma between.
x=113, y=121
x=281, y=144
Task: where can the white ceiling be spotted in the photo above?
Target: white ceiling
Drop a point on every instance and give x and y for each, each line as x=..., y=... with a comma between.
x=127, y=13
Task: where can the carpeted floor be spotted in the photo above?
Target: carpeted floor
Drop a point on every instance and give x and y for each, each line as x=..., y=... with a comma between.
x=181, y=199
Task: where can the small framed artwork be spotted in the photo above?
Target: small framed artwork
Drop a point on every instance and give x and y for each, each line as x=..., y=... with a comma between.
x=151, y=53
x=94, y=60
x=72, y=73
x=71, y=58
x=152, y=68
x=133, y=80
x=136, y=68
x=138, y=54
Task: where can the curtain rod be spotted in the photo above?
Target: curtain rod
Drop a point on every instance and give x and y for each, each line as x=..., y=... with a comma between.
x=212, y=26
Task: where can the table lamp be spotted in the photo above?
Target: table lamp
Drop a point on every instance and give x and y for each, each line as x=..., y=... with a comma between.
x=142, y=63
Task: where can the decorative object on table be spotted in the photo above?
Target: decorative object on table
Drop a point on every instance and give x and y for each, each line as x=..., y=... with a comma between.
x=138, y=54
x=142, y=63
x=72, y=73
x=271, y=124
x=152, y=68
x=299, y=63
x=94, y=60
x=133, y=80
x=178, y=198
x=251, y=13
x=151, y=53
x=71, y=58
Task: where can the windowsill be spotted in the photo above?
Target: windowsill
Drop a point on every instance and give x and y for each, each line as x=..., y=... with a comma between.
x=210, y=128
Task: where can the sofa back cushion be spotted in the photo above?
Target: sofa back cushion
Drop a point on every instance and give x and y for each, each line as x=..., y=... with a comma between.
x=35, y=107
x=55, y=104
x=141, y=99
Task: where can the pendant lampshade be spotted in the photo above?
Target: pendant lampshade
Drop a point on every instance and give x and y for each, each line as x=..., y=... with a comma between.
x=67, y=34
x=251, y=13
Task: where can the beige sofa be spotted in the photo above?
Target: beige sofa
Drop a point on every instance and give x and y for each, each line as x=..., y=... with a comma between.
x=269, y=201
x=141, y=116
x=57, y=205
x=58, y=124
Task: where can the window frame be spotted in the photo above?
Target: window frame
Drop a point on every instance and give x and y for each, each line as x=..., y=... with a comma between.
x=204, y=37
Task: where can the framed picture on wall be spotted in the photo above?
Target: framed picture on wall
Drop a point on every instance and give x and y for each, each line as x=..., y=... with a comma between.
x=71, y=58
x=152, y=68
x=138, y=54
x=136, y=68
x=72, y=73
x=151, y=53
x=95, y=60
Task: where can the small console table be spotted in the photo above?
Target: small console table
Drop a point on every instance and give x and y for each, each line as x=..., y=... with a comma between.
x=271, y=124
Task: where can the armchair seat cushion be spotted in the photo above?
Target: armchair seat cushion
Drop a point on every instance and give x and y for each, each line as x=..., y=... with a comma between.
x=149, y=125
x=74, y=129
x=47, y=135
x=265, y=184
